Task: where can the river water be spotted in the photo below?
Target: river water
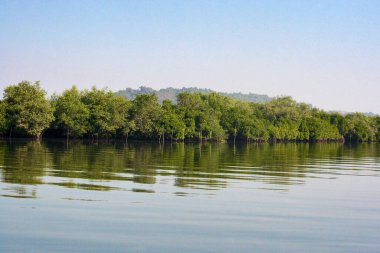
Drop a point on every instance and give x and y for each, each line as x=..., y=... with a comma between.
x=145, y=197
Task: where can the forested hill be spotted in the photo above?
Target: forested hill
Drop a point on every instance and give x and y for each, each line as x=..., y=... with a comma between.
x=171, y=94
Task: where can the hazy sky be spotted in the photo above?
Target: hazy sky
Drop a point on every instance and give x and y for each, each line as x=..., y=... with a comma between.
x=326, y=53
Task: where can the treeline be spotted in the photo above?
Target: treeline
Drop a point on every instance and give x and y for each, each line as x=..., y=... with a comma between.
x=98, y=113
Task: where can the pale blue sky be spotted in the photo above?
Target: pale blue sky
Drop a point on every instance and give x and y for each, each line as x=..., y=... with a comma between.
x=326, y=53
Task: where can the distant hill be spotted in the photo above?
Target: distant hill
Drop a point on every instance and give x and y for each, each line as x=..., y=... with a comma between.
x=344, y=113
x=171, y=93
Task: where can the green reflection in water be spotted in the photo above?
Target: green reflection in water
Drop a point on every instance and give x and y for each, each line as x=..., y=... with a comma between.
x=92, y=187
x=210, y=166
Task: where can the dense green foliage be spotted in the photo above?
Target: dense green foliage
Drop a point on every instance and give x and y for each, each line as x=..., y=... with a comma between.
x=27, y=109
x=3, y=122
x=98, y=113
x=71, y=113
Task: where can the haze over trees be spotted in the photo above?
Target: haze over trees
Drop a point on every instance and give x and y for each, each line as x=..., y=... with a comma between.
x=99, y=113
x=171, y=94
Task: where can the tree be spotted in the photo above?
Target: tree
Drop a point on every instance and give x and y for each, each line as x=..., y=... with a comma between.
x=303, y=130
x=172, y=121
x=209, y=125
x=321, y=130
x=3, y=122
x=146, y=113
x=358, y=127
x=282, y=108
x=107, y=111
x=191, y=106
x=128, y=128
x=337, y=119
x=27, y=108
x=71, y=113
x=121, y=108
x=234, y=120
x=202, y=114
x=377, y=122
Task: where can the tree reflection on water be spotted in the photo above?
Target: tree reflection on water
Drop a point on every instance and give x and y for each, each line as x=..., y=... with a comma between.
x=208, y=166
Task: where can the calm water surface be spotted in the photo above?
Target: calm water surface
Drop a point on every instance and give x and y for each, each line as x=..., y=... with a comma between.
x=143, y=197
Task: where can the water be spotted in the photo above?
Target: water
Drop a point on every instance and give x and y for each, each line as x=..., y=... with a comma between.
x=143, y=197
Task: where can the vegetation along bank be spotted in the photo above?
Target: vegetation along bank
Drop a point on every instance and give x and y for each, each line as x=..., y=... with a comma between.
x=26, y=111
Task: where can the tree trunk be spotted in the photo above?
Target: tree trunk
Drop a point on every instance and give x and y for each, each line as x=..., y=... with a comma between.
x=10, y=132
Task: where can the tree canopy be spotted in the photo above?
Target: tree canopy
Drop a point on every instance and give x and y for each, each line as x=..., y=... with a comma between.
x=71, y=113
x=27, y=108
x=100, y=113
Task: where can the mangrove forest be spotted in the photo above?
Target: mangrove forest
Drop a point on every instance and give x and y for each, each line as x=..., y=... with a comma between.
x=26, y=111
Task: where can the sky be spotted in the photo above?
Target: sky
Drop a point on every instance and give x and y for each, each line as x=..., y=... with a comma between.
x=326, y=53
